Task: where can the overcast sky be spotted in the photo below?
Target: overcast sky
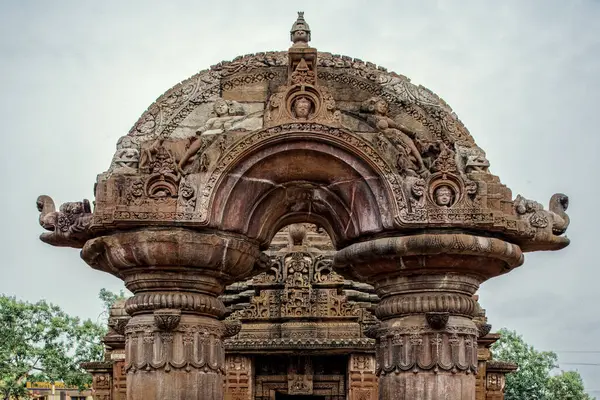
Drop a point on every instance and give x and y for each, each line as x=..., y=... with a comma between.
x=522, y=75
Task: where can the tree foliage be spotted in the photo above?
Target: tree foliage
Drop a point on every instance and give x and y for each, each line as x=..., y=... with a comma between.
x=534, y=379
x=39, y=341
x=109, y=298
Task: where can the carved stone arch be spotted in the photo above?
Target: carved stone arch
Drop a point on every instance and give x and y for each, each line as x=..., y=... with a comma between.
x=348, y=188
x=219, y=163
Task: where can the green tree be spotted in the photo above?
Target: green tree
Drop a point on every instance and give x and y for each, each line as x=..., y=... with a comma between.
x=39, y=341
x=533, y=380
x=567, y=386
x=109, y=298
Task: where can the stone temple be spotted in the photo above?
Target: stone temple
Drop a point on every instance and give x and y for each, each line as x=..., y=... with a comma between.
x=301, y=225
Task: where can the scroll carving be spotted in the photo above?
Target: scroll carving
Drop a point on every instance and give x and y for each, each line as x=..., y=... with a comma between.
x=437, y=320
x=167, y=319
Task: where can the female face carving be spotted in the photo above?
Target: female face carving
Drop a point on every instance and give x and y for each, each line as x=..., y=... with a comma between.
x=443, y=196
x=221, y=108
x=124, y=143
x=381, y=107
x=302, y=108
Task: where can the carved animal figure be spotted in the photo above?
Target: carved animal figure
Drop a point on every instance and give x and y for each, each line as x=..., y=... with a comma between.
x=48, y=214
x=69, y=226
x=558, y=206
x=553, y=222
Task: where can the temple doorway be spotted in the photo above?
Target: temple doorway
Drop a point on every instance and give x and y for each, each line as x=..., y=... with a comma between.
x=294, y=377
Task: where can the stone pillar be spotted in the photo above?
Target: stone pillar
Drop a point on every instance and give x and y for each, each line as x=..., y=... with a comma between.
x=427, y=340
x=107, y=376
x=115, y=348
x=101, y=379
x=496, y=378
x=174, y=340
x=238, y=377
x=362, y=378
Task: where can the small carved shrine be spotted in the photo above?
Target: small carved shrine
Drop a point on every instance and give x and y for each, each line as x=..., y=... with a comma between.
x=309, y=316
x=301, y=225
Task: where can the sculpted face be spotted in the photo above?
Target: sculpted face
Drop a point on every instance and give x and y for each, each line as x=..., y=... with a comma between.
x=301, y=36
x=381, y=107
x=221, y=108
x=125, y=143
x=302, y=108
x=443, y=196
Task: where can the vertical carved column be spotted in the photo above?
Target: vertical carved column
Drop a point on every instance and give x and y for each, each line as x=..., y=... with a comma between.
x=238, y=377
x=101, y=379
x=363, y=381
x=115, y=348
x=119, y=389
x=427, y=340
x=106, y=375
x=495, y=379
x=174, y=340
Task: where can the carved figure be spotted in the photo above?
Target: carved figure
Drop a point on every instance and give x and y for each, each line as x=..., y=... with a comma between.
x=555, y=221
x=471, y=159
x=227, y=114
x=558, y=206
x=157, y=159
x=127, y=157
x=68, y=226
x=444, y=196
x=187, y=194
x=397, y=133
x=302, y=108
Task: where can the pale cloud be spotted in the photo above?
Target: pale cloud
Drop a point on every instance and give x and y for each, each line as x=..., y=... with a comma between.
x=523, y=77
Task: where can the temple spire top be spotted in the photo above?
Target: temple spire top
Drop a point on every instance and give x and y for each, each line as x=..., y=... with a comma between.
x=300, y=33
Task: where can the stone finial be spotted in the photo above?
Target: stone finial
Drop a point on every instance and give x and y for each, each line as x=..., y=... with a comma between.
x=300, y=33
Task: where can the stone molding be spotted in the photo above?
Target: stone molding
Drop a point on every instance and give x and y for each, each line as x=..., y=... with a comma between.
x=417, y=349
x=188, y=347
x=188, y=302
x=453, y=303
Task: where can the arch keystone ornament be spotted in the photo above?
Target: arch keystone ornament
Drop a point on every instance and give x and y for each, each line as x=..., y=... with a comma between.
x=224, y=160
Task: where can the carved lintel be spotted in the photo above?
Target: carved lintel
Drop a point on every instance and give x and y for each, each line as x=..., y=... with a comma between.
x=437, y=320
x=167, y=319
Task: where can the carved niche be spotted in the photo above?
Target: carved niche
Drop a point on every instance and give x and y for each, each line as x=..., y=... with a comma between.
x=302, y=99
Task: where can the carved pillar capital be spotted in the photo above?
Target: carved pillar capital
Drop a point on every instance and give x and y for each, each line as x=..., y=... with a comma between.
x=427, y=340
x=175, y=335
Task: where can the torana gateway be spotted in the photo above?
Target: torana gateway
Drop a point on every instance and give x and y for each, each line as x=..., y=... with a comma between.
x=357, y=202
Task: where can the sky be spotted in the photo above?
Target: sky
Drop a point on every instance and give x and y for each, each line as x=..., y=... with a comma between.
x=523, y=76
